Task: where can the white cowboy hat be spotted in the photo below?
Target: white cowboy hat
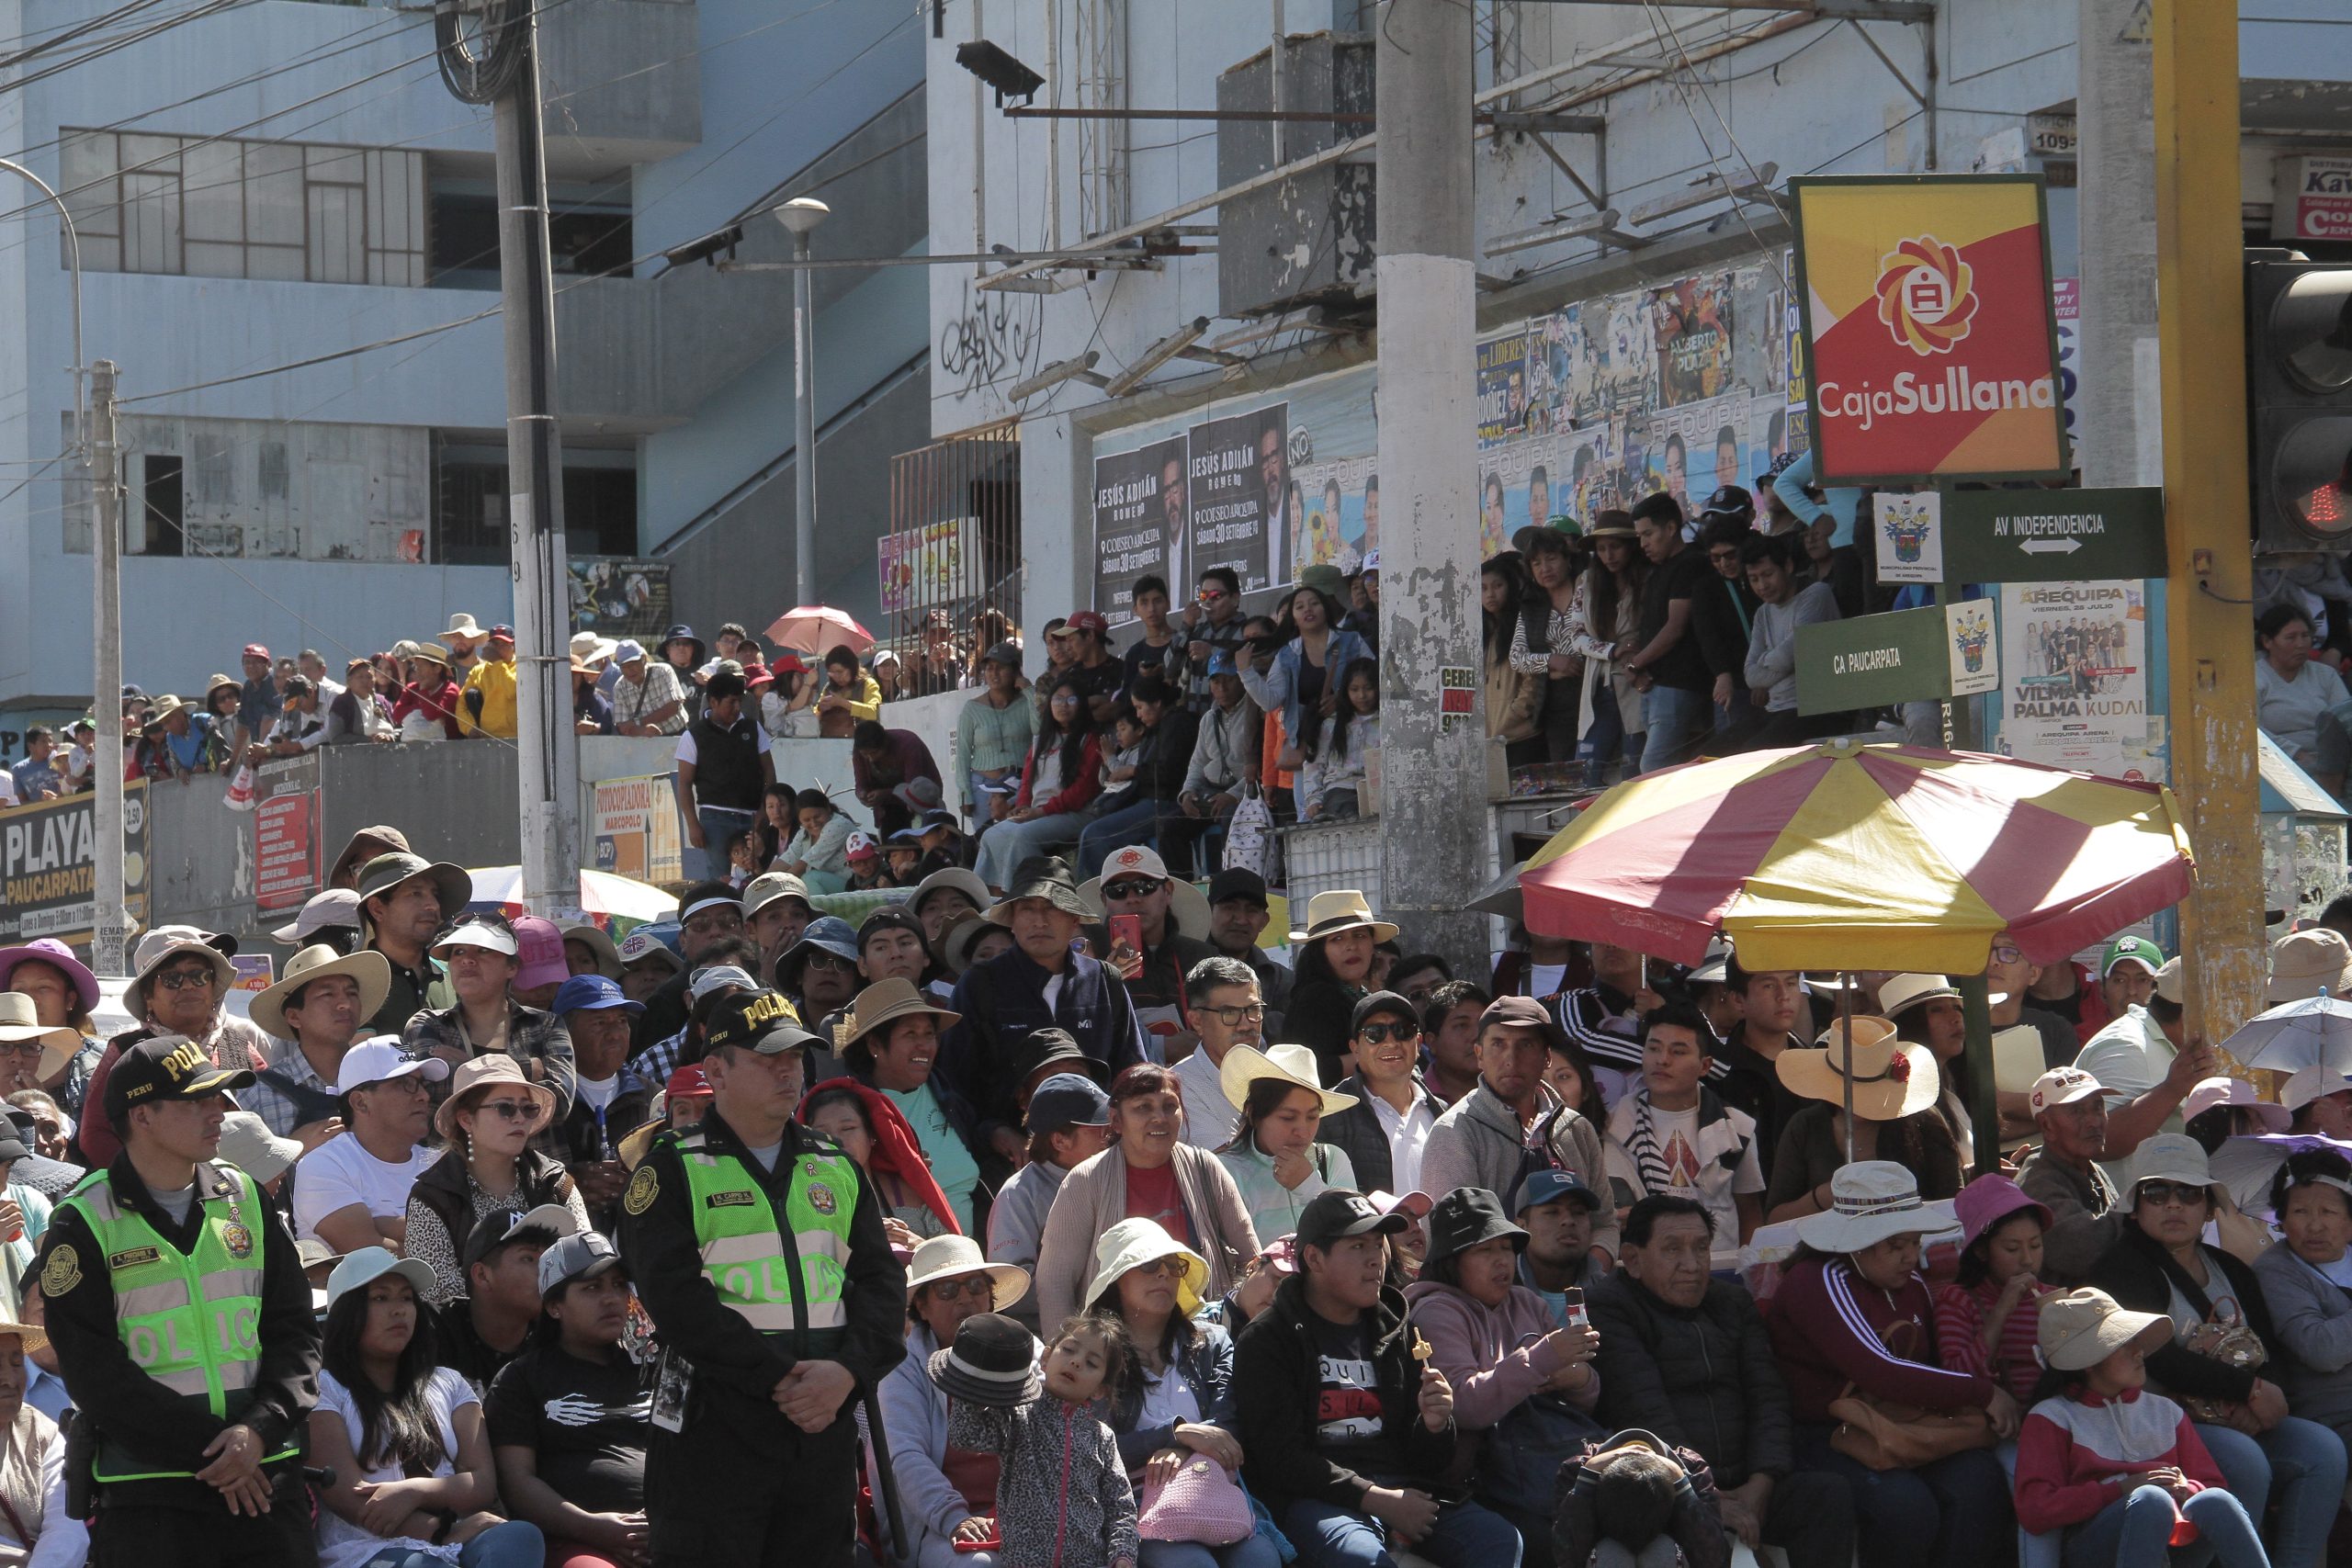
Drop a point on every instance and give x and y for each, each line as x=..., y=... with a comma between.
x=1344, y=909
x=1188, y=906
x=953, y=1257
x=462, y=629
x=368, y=969
x=1871, y=1200
x=1892, y=1079
x=19, y=1022
x=1899, y=991
x=1244, y=1065
x=1130, y=1244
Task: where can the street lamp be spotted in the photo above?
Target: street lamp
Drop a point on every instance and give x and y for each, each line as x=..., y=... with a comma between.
x=802, y=215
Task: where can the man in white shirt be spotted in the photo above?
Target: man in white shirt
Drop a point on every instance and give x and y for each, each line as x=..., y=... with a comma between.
x=1227, y=1010
x=1384, y=1133
x=352, y=1190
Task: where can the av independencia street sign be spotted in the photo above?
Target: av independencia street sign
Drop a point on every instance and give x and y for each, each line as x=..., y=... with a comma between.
x=2054, y=536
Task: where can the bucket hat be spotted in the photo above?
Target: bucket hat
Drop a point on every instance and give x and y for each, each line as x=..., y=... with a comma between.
x=1891, y=1080
x=481, y=1075
x=368, y=970
x=163, y=944
x=957, y=1256
x=956, y=877
x=827, y=933
x=2305, y=962
x=1294, y=1064
x=1049, y=1047
x=2170, y=1156
x=2082, y=1327
x=885, y=1003
x=362, y=847
x=1041, y=876
x=2239, y=1095
x=993, y=1362
x=1987, y=1201
x=1342, y=909
x=2306, y=1084
x=57, y=955
x=462, y=629
x=1871, y=1200
x=451, y=885
x=1466, y=1217
x=597, y=941
x=248, y=1143
x=685, y=634
x=1133, y=1244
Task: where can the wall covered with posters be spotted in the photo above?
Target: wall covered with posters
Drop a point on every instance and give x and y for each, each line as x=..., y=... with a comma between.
x=1681, y=387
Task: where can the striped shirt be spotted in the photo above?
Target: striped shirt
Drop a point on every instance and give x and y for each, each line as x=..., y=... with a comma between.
x=1961, y=1312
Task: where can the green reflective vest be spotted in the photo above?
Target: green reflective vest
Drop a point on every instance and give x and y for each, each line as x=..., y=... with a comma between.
x=190, y=1321
x=781, y=1274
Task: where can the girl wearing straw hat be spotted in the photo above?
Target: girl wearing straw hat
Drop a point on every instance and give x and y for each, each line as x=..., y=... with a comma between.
x=1334, y=973
x=1854, y=1315
x=1894, y=1087
x=489, y=1167
x=1273, y=1157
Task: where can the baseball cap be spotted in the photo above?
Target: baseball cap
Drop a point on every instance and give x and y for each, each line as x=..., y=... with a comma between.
x=591, y=993
x=381, y=1058
x=502, y=632
x=547, y=1224
x=764, y=1022
x=257, y=651
x=336, y=908
x=861, y=846
x=2131, y=950
x=1087, y=621
x=1337, y=1213
x=581, y=1256
x=538, y=947
x=1003, y=653
x=1549, y=1186
x=718, y=977
x=640, y=945
x=1729, y=501
x=246, y=1143
x=1066, y=1100
x=769, y=887
x=707, y=896
x=687, y=1080
x=369, y=1264
x=2062, y=1086
x=1393, y=1003
x=166, y=1067
x=2172, y=983
x=1238, y=882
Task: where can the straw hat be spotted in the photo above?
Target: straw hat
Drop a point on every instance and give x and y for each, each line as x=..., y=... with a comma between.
x=955, y=1257
x=951, y=878
x=588, y=934
x=884, y=1003
x=368, y=969
x=2304, y=964
x=1870, y=1201
x=2083, y=1327
x=1897, y=992
x=19, y=1022
x=1244, y=1065
x=955, y=943
x=1892, y=1079
x=485, y=1072
x=1132, y=1244
x=1344, y=909
x=32, y=1336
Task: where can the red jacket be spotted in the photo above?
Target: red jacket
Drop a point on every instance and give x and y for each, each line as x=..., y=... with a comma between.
x=1076, y=792
x=898, y=1152
x=438, y=703
x=2069, y=1450
x=1830, y=1328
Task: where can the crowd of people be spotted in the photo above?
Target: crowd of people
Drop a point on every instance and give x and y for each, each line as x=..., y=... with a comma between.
x=974, y=1231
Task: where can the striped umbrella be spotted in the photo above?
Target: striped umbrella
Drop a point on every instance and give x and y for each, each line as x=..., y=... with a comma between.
x=1845, y=856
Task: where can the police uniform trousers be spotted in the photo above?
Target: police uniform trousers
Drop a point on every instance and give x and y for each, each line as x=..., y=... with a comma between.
x=716, y=1502
x=203, y=1533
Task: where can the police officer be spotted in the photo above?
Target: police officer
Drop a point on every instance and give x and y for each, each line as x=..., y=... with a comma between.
x=181, y=1318
x=760, y=1254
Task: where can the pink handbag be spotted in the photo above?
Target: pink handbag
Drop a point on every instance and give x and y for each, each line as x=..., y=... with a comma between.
x=1202, y=1503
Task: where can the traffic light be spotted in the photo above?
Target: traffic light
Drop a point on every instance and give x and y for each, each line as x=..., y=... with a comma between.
x=2299, y=353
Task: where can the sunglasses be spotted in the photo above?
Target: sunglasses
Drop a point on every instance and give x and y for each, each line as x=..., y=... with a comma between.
x=1381, y=1033
x=2163, y=1194
x=182, y=979
x=1132, y=888
x=975, y=1285
x=512, y=1109
x=1171, y=1266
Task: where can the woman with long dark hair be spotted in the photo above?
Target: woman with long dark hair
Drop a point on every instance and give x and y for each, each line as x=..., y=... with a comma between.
x=1336, y=767
x=779, y=820
x=1605, y=612
x=1543, y=642
x=1333, y=974
x=1302, y=679
x=489, y=1167
x=412, y=1484
x=1058, y=783
x=1514, y=696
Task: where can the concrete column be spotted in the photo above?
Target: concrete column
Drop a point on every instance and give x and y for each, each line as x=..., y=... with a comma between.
x=1434, y=821
x=2121, y=437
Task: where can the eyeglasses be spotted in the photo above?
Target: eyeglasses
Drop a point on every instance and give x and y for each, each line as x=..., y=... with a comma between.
x=27, y=1049
x=1232, y=1018
x=181, y=979
x=1132, y=888
x=512, y=1109
x=2163, y=1194
x=1382, y=1033
x=2007, y=952
x=977, y=1285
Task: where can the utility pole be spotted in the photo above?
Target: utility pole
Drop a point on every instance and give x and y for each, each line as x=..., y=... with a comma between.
x=800, y=216
x=2200, y=294
x=498, y=63
x=2122, y=438
x=1434, y=762
x=109, y=920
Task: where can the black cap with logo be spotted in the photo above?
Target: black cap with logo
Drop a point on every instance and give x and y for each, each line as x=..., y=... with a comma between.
x=765, y=1022
x=1336, y=1213
x=166, y=1067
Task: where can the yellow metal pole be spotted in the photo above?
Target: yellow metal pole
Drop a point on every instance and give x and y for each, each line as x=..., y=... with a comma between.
x=2201, y=288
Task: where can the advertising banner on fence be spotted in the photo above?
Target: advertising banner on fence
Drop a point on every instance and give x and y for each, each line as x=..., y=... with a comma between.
x=288, y=849
x=1239, y=496
x=1138, y=524
x=634, y=827
x=2074, y=673
x=1930, y=331
x=925, y=565
x=49, y=866
x=618, y=597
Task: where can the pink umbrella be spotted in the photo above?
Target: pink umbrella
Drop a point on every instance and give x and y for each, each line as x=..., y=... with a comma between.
x=819, y=628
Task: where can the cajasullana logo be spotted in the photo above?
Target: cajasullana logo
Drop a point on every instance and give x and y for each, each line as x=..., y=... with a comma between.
x=1925, y=295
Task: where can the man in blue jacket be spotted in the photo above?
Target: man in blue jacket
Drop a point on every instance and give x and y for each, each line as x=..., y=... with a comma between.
x=1041, y=982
